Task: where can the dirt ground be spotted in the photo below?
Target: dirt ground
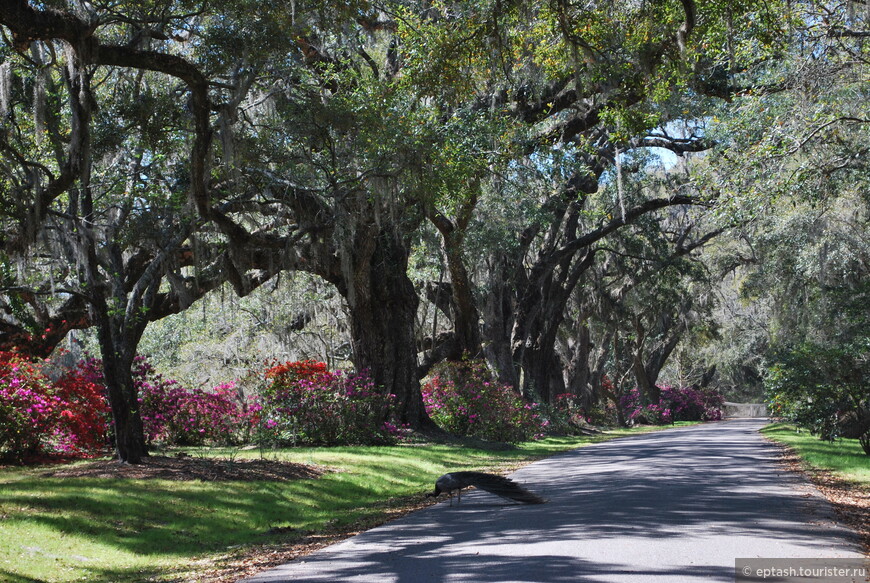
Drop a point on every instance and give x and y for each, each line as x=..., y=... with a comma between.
x=186, y=467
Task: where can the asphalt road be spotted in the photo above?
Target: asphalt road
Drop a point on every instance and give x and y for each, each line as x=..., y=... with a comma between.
x=673, y=506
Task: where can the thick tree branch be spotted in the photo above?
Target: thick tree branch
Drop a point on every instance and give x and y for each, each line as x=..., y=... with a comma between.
x=678, y=146
x=688, y=25
x=631, y=215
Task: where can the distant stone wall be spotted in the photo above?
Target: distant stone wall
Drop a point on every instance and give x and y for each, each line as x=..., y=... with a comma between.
x=744, y=409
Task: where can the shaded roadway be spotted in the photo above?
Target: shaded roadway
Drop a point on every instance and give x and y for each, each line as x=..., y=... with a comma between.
x=672, y=506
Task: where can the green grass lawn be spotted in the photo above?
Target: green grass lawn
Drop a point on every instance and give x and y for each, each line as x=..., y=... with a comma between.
x=844, y=457
x=121, y=530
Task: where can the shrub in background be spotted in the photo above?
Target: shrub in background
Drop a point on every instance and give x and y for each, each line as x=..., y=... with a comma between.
x=304, y=403
x=38, y=415
x=578, y=414
x=568, y=415
x=676, y=404
x=171, y=413
x=288, y=372
x=691, y=404
x=463, y=398
x=176, y=415
x=823, y=388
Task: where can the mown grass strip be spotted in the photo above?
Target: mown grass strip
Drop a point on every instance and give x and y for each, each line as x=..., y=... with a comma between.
x=57, y=530
x=844, y=457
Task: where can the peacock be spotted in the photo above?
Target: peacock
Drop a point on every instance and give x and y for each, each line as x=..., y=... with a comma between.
x=498, y=485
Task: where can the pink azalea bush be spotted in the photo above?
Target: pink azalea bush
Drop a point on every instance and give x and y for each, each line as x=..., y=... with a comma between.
x=676, y=404
x=304, y=403
x=691, y=404
x=29, y=409
x=300, y=402
x=464, y=399
x=176, y=415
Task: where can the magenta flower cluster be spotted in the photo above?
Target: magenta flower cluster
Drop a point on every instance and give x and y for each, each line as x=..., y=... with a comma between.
x=463, y=398
x=27, y=415
x=675, y=404
x=300, y=402
x=177, y=415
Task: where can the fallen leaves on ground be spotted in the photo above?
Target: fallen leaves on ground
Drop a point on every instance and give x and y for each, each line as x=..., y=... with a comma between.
x=851, y=501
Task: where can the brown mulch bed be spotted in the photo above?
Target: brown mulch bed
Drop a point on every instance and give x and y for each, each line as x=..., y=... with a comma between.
x=187, y=467
x=851, y=501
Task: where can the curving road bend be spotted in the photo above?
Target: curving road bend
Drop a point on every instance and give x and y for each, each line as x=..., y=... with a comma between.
x=673, y=506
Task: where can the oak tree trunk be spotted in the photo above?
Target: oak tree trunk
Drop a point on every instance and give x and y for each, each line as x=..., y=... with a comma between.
x=542, y=373
x=498, y=309
x=466, y=323
x=383, y=310
x=129, y=431
x=579, y=380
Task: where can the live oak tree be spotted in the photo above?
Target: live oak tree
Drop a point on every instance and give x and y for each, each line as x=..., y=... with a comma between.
x=97, y=189
x=337, y=194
